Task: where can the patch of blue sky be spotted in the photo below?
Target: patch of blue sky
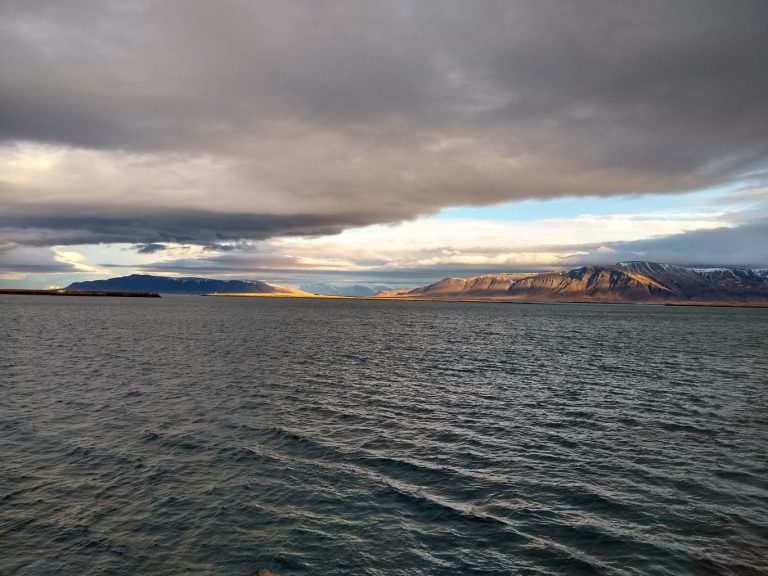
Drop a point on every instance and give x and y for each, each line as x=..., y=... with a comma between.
x=526, y=210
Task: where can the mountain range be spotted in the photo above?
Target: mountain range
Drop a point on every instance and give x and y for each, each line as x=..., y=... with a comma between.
x=188, y=285
x=631, y=282
x=635, y=282
x=328, y=289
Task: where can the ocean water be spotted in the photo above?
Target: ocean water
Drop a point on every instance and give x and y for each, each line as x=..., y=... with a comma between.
x=193, y=435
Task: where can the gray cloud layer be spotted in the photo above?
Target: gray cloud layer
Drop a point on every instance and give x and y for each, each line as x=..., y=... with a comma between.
x=743, y=246
x=56, y=224
x=235, y=119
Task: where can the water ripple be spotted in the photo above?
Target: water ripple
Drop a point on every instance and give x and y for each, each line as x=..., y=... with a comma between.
x=213, y=436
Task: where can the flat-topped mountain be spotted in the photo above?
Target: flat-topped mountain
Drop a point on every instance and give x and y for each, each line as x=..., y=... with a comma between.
x=622, y=282
x=188, y=285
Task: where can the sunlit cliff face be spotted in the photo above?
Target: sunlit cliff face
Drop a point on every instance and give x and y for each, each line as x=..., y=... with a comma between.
x=275, y=139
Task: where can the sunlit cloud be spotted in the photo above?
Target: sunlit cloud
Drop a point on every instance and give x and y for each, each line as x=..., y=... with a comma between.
x=434, y=242
x=76, y=261
x=13, y=275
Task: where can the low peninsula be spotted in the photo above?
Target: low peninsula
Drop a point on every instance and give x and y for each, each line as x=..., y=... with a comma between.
x=60, y=292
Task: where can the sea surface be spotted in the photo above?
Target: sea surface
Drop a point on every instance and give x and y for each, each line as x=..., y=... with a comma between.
x=195, y=435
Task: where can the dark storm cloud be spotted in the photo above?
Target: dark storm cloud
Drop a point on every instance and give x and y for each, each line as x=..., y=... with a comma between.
x=25, y=268
x=309, y=117
x=154, y=248
x=150, y=248
x=63, y=226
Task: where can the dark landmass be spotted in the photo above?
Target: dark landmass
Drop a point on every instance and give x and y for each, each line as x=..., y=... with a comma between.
x=68, y=292
x=626, y=282
x=173, y=285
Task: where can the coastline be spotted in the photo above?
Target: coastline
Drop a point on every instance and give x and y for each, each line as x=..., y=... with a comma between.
x=279, y=295
x=491, y=300
x=57, y=292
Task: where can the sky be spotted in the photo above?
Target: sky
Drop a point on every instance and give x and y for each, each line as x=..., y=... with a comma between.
x=381, y=142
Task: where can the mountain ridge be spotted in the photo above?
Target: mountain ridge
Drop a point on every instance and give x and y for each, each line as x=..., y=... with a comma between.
x=181, y=285
x=483, y=285
x=624, y=282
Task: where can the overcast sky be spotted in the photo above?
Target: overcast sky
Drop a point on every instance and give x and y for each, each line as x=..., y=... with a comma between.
x=379, y=141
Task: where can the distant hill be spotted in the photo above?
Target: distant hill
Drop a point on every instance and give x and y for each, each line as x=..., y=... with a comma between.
x=484, y=286
x=649, y=282
x=327, y=289
x=173, y=285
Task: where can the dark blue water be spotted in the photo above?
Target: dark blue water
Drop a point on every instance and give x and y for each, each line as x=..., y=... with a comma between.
x=193, y=435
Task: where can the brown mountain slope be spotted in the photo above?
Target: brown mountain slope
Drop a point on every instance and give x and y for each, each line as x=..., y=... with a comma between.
x=487, y=285
x=700, y=285
x=592, y=283
x=624, y=282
